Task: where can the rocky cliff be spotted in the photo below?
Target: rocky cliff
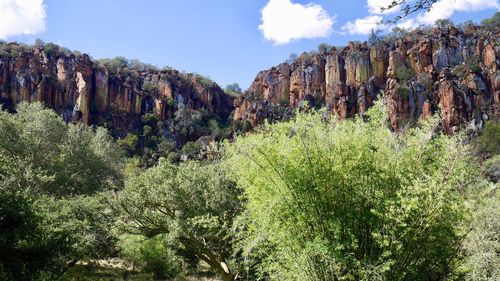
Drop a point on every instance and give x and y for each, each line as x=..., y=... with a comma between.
x=447, y=70
x=81, y=89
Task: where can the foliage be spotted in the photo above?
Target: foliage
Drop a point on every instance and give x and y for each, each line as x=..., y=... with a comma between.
x=490, y=138
x=51, y=49
x=155, y=202
x=403, y=91
x=191, y=149
x=159, y=259
x=444, y=23
x=460, y=71
x=52, y=179
x=151, y=88
x=323, y=48
x=491, y=169
x=350, y=200
x=375, y=40
x=233, y=88
x=192, y=124
x=407, y=8
x=66, y=159
x=129, y=143
x=492, y=23
x=150, y=119
x=292, y=58
x=115, y=64
x=403, y=74
x=26, y=250
x=481, y=245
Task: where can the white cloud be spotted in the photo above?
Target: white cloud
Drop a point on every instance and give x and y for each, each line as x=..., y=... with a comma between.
x=375, y=6
x=446, y=8
x=363, y=26
x=442, y=9
x=21, y=17
x=284, y=21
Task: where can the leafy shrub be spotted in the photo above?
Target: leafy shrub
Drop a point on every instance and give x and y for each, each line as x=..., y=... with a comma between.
x=482, y=245
x=460, y=71
x=192, y=204
x=54, y=178
x=150, y=87
x=158, y=259
x=403, y=91
x=323, y=48
x=492, y=23
x=129, y=143
x=51, y=49
x=491, y=169
x=444, y=23
x=342, y=200
x=150, y=119
x=490, y=138
x=191, y=149
x=403, y=74
x=475, y=68
x=174, y=157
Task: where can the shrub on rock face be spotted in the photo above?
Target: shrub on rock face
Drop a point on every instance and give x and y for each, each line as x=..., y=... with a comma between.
x=331, y=200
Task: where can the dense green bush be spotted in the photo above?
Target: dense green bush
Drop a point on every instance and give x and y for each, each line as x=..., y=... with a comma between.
x=350, y=200
x=490, y=138
x=159, y=259
x=54, y=181
x=129, y=143
x=403, y=74
x=193, y=204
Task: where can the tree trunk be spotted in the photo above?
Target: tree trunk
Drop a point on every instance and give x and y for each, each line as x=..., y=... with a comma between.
x=204, y=253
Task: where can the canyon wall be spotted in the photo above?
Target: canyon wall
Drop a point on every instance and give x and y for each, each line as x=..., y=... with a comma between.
x=80, y=89
x=447, y=70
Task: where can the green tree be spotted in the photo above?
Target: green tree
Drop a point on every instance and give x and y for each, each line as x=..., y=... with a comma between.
x=323, y=48
x=489, y=139
x=493, y=22
x=350, y=200
x=56, y=176
x=129, y=143
x=233, y=88
x=193, y=204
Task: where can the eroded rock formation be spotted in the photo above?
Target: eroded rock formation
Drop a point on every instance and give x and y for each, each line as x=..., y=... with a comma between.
x=423, y=72
x=80, y=90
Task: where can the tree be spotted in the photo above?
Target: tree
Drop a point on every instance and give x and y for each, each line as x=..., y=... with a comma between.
x=56, y=177
x=292, y=58
x=444, y=23
x=350, y=200
x=489, y=140
x=375, y=39
x=407, y=9
x=323, y=48
x=493, y=22
x=233, y=88
x=193, y=204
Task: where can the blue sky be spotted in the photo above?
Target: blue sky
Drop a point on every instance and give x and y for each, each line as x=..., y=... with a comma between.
x=217, y=38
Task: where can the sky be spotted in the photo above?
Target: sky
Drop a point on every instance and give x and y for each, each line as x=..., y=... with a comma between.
x=229, y=41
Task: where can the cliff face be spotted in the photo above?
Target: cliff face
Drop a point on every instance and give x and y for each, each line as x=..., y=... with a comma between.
x=420, y=73
x=81, y=90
